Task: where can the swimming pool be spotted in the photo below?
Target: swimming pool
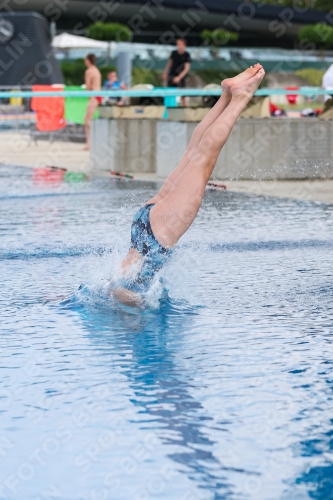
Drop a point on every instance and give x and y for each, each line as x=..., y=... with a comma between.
x=221, y=388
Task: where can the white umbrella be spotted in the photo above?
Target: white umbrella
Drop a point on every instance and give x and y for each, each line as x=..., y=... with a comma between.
x=67, y=41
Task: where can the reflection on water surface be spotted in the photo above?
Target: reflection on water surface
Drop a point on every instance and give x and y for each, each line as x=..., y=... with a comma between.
x=221, y=388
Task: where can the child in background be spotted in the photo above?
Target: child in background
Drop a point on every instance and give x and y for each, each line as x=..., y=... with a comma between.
x=113, y=83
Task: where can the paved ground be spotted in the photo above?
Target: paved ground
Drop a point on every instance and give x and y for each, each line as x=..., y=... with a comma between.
x=15, y=149
x=318, y=190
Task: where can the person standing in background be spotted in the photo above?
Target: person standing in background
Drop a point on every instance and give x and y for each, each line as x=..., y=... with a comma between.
x=178, y=67
x=327, y=82
x=93, y=80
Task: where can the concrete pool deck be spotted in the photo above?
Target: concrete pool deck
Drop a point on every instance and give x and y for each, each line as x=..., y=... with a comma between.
x=311, y=190
x=16, y=149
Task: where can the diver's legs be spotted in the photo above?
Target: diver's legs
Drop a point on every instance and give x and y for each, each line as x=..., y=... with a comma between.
x=202, y=127
x=91, y=108
x=173, y=215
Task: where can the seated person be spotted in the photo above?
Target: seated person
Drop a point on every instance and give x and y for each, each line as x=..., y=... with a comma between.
x=113, y=83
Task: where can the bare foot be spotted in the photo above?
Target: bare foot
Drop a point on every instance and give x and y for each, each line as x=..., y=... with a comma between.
x=247, y=89
x=241, y=78
x=85, y=148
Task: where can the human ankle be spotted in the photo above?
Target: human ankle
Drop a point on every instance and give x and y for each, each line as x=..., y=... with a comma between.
x=226, y=93
x=243, y=98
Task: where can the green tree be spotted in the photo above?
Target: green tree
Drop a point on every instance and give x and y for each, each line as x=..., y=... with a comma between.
x=299, y=4
x=324, y=4
x=110, y=31
x=219, y=37
x=321, y=35
x=144, y=75
x=73, y=71
x=312, y=75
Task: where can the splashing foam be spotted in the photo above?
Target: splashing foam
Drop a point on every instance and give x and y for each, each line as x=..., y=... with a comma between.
x=174, y=281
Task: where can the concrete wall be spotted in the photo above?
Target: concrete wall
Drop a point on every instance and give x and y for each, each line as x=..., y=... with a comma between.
x=123, y=145
x=256, y=149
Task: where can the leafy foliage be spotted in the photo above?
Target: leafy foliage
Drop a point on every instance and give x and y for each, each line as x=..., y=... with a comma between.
x=144, y=75
x=319, y=34
x=215, y=75
x=324, y=5
x=73, y=72
x=313, y=76
x=219, y=37
x=110, y=31
x=301, y=4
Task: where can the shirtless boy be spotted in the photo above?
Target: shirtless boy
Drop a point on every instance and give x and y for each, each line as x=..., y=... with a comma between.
x=93, y=81
x=160, y=223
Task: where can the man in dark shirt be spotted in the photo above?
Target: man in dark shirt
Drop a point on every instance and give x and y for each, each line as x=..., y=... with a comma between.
x=177, y=67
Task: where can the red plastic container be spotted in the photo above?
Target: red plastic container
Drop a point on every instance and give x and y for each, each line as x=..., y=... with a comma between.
x=42, y=175
x=292, y=98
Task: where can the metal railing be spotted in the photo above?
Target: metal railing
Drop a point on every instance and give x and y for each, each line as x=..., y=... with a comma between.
x=24, y=125
x=163, y=92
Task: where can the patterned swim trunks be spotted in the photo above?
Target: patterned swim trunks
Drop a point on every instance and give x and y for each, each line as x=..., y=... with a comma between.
x=144, y=241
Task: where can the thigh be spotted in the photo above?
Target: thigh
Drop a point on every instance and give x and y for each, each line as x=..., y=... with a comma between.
x=91, y=108
x=172, y=216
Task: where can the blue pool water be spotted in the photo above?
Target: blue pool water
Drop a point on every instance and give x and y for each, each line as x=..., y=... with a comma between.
x=220, y=388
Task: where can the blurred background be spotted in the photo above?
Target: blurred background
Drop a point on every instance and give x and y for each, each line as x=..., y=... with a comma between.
x=293, y=39
x=45, y=43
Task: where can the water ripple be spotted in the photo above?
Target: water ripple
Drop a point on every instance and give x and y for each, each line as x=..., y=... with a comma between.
x=219, y=388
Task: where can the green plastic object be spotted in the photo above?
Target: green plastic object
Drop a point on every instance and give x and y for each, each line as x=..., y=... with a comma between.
x=75, y=107
x=74, y=177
